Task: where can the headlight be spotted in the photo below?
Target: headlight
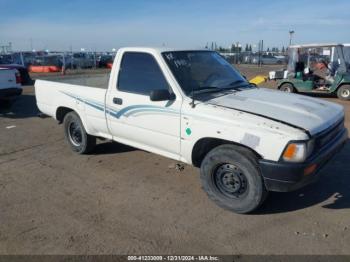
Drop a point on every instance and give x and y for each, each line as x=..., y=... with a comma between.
x=298, y=151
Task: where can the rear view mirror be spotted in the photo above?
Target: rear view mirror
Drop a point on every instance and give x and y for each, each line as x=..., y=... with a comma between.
x=161, y=95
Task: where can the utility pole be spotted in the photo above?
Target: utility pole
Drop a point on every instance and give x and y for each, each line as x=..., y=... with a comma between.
x=71, y=56
x=291, y=32
x=261, y=49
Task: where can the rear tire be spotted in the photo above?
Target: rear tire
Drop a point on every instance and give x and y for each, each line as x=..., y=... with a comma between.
x=76, y=136
x=343, y=92
x=230, y=176
x=287, y=87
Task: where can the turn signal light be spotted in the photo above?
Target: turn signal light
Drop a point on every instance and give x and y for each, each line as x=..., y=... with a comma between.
x=295, y=152
x=290, y=151
x=310, y=169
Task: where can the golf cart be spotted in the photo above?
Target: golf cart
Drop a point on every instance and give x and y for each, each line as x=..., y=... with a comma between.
x=347, y=55
x=305, y=64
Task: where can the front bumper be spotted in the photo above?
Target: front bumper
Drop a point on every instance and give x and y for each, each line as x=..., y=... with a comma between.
x=10, y=93
x=283, y=177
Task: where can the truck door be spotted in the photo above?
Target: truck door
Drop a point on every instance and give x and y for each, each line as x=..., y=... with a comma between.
x=136, y=120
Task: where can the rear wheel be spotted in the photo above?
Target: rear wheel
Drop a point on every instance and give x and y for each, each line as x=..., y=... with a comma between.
x=287, y=87
x=344, y=92
x=76, y=136
x=231, y=178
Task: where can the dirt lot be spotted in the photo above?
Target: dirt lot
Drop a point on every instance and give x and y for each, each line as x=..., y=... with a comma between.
x=126, y=201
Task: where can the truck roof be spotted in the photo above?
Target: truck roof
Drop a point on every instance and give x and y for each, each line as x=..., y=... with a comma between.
x=157, y=49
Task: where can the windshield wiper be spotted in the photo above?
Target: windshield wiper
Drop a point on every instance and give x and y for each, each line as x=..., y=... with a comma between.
x=210, y=89
x=206, y=89
x=215, y=89
x=237, y=84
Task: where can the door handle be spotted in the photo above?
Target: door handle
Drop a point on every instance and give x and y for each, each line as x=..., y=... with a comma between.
x=117, y=101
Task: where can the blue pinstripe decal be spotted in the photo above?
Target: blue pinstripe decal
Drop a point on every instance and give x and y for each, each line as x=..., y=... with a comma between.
x=126, y=111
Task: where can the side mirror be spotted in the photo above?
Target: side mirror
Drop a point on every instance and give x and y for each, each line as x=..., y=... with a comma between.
x=161, y=95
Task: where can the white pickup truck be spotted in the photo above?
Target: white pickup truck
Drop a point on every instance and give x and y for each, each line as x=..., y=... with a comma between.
x=10, y=86
x=194, y=107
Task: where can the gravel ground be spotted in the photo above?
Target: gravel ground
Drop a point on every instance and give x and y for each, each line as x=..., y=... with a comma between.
x=126, y=201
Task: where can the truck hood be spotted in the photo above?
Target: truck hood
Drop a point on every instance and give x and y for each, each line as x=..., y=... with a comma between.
x=307, y=113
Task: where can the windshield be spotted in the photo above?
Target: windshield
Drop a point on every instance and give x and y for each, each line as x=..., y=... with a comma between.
x=347, y=57
x=200, y=71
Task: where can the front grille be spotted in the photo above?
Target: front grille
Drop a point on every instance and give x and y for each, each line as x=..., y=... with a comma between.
x=326, y=136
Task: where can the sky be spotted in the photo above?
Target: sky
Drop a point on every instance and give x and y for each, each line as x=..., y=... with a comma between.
x=102, y=25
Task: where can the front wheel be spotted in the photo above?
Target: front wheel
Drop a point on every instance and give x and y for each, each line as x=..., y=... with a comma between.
x=231, y=178
x=76, y=136
x=343, y=92
x=287, y=87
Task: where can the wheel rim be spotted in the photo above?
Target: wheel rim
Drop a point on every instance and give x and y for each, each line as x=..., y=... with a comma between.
x=287, y=89
x=345, y=93
x=230, y=180
x=75, y=134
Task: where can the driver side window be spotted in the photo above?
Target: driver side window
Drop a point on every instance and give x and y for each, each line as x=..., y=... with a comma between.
x=140, y=74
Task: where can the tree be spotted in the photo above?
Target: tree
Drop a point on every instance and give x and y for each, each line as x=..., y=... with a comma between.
x=222, y=49
x=283, y=49
x=233, y=48
x=250, y=48
x=246, y=48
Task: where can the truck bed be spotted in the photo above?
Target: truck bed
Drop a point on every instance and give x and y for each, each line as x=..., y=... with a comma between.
x=99, y=80
x=53, y=96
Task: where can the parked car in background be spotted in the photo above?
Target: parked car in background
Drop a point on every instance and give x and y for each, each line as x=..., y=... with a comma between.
x=24, y=58
x=10, y=86
x=46, y=64
x=268, y=60
x=23, y=71
x=104, y=60
x=7, y=61
x=83, y=60
x=48, y=60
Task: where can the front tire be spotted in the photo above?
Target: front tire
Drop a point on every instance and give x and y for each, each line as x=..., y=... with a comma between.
x=343, y=92
x=231, y=178
x=287, y=87
x=76, y=136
